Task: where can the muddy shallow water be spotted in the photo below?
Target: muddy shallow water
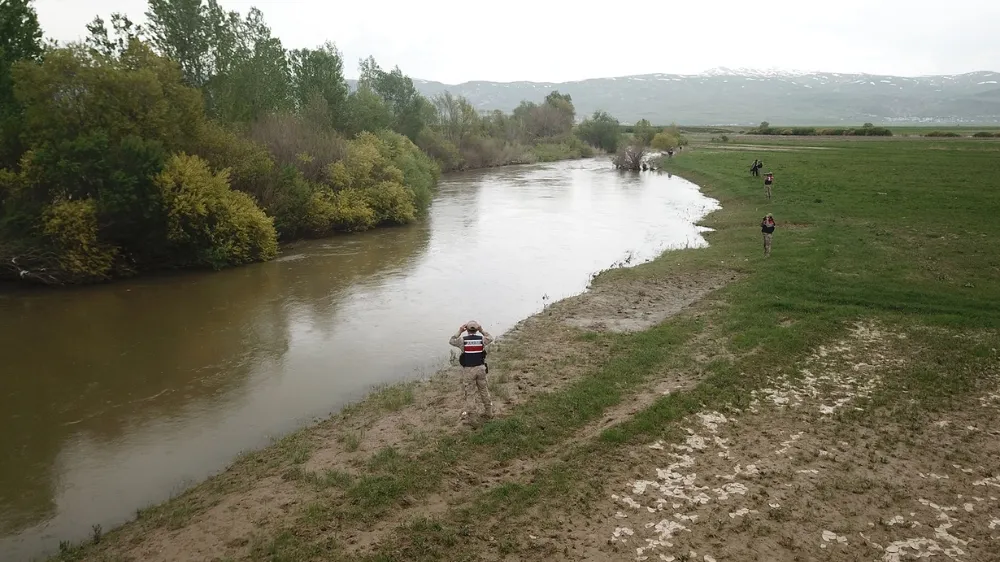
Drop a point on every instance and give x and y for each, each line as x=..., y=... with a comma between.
x=116, y=397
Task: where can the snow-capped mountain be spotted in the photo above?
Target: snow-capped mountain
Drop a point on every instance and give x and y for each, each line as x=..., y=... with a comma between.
x=724, y=96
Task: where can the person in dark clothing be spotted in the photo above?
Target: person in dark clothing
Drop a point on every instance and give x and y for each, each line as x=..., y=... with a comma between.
x=768, y=181
x=753, y=168
x=767, y=227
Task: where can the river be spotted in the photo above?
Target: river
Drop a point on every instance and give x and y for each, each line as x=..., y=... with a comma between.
x=116, y=397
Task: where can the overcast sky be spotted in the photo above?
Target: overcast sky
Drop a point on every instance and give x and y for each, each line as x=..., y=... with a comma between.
x=547, y=41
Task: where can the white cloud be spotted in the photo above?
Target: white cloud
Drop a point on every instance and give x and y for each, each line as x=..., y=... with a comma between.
x=454, y=41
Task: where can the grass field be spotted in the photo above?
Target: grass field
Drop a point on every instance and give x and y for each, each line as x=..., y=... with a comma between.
x=897, y=130
x=839, y=400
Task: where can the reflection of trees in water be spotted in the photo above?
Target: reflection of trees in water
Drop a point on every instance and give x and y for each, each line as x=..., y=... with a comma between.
x=101, y=360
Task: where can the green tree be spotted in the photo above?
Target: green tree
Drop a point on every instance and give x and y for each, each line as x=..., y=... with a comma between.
x=410, y=111
x=112, y=44
x=240, y=66
x=319, y=73
x=20, y=40
x=601, y=131
x=98, y=129
x=366, y=111
x=185, y=32
x=253, y=76
x=644, y=132
x=457, y=119
x=665, y=141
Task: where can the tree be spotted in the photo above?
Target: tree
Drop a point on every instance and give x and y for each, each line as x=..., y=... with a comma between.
x=366, y=111
x=253, y=76
x=563, y=104
x=20, y=39
x=457, y=118
x=112, y=45
x=186, y=32
x=410, y=111
x=665, y=141
x=319, y=73
x=644, y=132
x=629, y=156
x=600, y=131
x=241, y=68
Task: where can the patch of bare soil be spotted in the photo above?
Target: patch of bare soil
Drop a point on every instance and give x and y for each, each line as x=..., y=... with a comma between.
x=223, y=530
x=801, y=476
x=637, y=305
x=541, y=354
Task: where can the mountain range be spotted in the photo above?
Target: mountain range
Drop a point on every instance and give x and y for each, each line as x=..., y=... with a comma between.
x=740, y=97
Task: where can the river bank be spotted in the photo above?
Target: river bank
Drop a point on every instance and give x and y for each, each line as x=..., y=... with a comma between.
x=840, y=384
x=13, y=280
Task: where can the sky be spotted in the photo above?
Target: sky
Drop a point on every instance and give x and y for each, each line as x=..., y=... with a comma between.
x=454, y=41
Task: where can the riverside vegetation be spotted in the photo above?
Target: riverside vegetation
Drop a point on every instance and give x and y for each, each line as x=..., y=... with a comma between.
x=198, y=140
x=850, y=383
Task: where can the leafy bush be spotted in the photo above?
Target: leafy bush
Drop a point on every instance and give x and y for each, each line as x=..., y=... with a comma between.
x=565, y=149
x=986, y=135
x=420, y=171
x=440, y=149
x=601, y=131
x=71, y=228
x=344, y=211
x=665, y=141
x=292, y=141
x=207, y=223
x=945, y=134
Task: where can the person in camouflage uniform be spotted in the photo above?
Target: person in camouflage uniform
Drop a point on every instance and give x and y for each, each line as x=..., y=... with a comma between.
x=473, y=361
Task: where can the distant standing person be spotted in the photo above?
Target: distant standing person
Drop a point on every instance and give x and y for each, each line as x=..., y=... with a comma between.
x=755, y=168
x=768, y=181
x=473, y=361
x=767, y=227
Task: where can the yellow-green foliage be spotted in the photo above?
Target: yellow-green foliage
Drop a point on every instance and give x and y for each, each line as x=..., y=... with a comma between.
x=251, y=168
x=420, y=171
x=71, y=227
x=665, y=141
x=345, y=210
x=207, y=222
x=367, y=188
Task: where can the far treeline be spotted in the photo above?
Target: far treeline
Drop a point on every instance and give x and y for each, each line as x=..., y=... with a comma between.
x=198, y=140
x=866, y=130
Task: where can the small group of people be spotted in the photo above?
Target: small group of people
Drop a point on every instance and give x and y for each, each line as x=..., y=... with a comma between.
x=472, y=340
x=767, y=223
x=768, y=177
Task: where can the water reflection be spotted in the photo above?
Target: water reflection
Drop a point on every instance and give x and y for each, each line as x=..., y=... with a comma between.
x=115, y=397
x=119, y=366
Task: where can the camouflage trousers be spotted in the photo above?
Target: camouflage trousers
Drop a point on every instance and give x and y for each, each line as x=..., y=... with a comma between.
x=476, y=377
x=767, y=243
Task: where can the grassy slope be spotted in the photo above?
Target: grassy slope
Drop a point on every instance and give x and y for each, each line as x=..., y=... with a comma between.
x=898, y=231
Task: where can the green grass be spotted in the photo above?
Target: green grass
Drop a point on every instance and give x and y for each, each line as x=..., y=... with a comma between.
x=901, y=232
x=392, y=398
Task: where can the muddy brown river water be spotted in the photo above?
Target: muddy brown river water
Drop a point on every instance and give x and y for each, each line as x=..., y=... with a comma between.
x=118, y=396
